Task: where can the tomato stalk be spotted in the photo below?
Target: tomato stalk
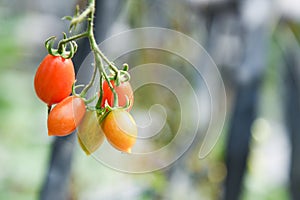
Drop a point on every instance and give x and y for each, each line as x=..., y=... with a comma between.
x=98, y=55
x=98, y=105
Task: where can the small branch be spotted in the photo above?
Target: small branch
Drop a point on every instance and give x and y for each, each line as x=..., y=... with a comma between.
x=98, y=105
x=75, y=37
x=110, y=64
x=84, y=14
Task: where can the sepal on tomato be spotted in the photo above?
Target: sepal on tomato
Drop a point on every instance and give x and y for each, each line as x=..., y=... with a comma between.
x=61, y=51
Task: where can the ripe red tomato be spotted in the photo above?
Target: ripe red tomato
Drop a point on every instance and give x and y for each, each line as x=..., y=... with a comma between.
x=123, y=90
x=54, y=78
x=66, y=116
x=120, y=129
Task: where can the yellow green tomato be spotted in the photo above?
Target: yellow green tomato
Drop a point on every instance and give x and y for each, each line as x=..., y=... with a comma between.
x=90, y=134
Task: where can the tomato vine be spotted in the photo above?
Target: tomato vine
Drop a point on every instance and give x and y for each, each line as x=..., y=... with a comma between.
x=113, y=86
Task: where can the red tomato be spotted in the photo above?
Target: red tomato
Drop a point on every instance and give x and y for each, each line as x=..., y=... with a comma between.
x=53, y=79
x=120, y=129
x=66, y=116
x=123, y=90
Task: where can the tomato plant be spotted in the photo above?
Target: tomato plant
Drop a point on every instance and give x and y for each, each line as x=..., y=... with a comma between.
x=124, y=92
x=54, y=79
x=120, y=129
x=66, y=116
x=90, y=134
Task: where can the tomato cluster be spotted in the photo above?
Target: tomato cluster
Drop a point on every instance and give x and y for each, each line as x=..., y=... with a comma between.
x=53, y=84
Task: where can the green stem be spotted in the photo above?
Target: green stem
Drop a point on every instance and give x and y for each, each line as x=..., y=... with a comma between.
x=98, y=53
x=75, y=37
x=92, y=38
x=110, y=64
x=98, y=105
x=85, y=13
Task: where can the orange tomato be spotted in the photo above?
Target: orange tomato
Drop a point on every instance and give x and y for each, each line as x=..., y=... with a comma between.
x=66, y=116
x=120, y=129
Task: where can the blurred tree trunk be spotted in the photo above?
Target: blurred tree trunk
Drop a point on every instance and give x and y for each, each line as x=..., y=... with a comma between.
x=245, y=110
x=292, y=114
x=247, y=63
x=292, y=120
x=56, y=185
x=239, y=137
x=57, y=180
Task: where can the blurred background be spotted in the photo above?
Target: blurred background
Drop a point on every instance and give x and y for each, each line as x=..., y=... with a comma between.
x=255, y=45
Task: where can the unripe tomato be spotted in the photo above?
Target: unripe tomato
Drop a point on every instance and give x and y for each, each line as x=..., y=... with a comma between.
x=120, y=129
x=123, y=90
x=66, y=116
x=90, y=134
x=53, y=79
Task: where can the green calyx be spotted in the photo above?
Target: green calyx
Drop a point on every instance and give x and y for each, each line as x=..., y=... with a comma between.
x=62, y=47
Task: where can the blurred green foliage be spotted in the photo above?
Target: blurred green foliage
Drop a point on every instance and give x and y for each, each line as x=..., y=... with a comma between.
x=9, y=51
